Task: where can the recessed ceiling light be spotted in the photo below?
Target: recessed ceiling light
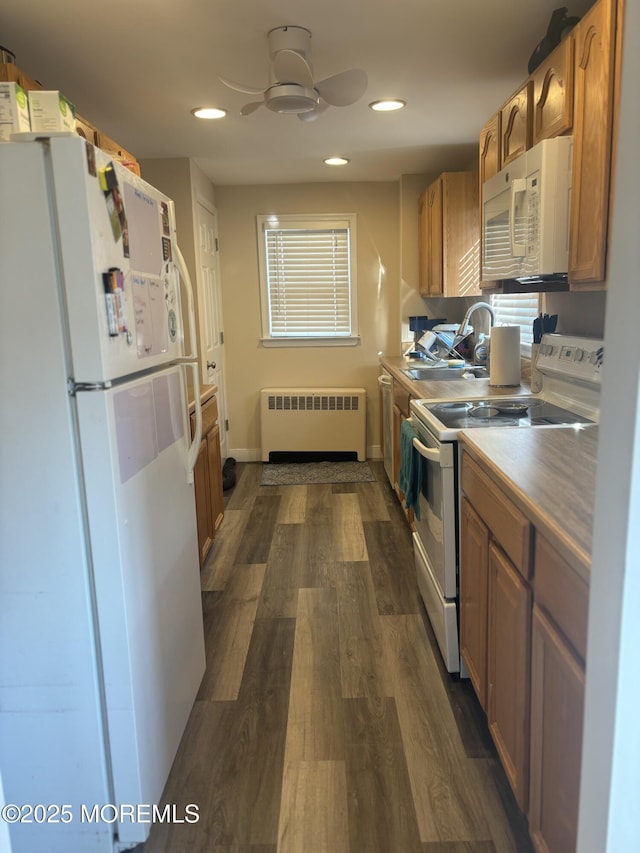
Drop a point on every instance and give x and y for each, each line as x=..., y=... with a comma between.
x=388, y=105
x=336, y=161
x=208, y=112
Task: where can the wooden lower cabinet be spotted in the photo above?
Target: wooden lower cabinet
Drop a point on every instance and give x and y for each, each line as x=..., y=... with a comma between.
x=557, y=700
x=474, y=574
x=523, y=636
x=207, y=477
x=215, y=473
x=495, y=629
x=203, y=501
x=508, y=669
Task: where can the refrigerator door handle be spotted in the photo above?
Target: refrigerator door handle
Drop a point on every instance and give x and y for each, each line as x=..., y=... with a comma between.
x=193, y=363
x=188, y=289
x=194, y=448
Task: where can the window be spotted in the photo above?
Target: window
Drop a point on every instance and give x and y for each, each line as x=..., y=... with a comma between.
x=517, y=309
x=307, y=280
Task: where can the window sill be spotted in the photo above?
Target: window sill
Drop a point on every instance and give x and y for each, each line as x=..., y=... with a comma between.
x=311, y=342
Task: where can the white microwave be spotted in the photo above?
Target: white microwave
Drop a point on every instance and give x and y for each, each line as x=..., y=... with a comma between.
x=525, y=215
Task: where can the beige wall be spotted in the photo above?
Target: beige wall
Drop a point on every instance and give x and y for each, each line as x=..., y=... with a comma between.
x=249, y=365
x=387, y=258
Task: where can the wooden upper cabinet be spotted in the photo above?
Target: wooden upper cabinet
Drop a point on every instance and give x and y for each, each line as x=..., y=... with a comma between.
x=110, y=146
x=435, y=281
x=490, y=149
x=553, y=93
x=449, y=238
x=516, y=124
x=592, y=152
x=423, y=248
x=10, y=73
x=85, y=129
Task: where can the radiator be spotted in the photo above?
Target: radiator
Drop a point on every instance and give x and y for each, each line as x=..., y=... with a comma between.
x=313, y=419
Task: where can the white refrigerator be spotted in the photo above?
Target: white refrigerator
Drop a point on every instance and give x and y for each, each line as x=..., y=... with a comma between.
x=101, y=635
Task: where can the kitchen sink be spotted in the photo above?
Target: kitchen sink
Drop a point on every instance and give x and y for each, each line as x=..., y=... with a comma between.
x=441, y=372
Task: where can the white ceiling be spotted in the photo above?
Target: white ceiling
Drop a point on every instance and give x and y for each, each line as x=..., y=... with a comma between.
x=135, y=68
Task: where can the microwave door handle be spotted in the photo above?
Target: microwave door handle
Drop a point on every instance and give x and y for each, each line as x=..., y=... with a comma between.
x=518, y=186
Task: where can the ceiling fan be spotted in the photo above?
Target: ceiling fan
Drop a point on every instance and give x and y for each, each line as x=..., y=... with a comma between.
x=292, y=89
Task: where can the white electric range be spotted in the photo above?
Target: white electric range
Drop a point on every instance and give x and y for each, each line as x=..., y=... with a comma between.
x=570, y=368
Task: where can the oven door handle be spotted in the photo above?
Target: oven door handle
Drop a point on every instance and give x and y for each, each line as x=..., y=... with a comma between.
x=427, y=452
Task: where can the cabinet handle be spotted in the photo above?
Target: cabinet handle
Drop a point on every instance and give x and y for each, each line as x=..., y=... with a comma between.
x=211, y=365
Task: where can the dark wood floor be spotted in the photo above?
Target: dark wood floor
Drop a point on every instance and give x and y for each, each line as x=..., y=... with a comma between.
x=325, y=720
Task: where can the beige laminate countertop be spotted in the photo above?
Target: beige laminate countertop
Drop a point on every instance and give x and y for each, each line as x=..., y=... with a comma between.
x=550, y=474
x=454, y=389
x=206, y=392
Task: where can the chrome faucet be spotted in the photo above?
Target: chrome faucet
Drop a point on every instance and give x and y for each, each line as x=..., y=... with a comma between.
x=462, y=328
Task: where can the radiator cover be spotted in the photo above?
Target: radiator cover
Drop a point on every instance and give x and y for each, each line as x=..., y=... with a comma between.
x=313, y=420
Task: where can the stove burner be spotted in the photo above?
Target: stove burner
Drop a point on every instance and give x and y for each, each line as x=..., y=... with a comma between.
x=484, y=411
x=454, y=406
x=512, y=408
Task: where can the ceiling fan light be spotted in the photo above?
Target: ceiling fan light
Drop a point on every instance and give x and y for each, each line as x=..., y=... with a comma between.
x=291, y=98
x=208, y=112
x=387, y=105
x=336, y=161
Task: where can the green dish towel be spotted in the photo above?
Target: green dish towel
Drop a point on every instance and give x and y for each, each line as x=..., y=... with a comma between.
x=410, y=477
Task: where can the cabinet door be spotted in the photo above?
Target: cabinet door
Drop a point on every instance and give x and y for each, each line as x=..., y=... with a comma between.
x=490, y=164
x=474, y=568
x=214, y=457
x=460, y=234
x=508, y=669
x=557, y=700
x=516, y=124
x=423, y=244
x=553, y=93
x=202, y=487
x=593, y=123
x=435, y=282
x=490, y=148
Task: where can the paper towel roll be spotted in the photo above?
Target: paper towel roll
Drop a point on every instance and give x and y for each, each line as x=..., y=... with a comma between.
x=504, y=364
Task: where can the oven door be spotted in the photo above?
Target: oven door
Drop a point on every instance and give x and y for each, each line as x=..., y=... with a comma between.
x=434, y=543
x=436, y=528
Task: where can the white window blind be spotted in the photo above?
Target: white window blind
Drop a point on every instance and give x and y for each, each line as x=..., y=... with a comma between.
x=517, y=309
x=306, y=278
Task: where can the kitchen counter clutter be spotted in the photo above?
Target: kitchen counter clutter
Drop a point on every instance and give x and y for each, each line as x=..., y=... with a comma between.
x=454, y=389
x=404, y=388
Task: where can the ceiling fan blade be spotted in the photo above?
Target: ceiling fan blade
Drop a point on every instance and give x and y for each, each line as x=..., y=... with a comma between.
x=250, y=108
x=312, y=115
x=290, y=67
x=344, y=88
x=238, y=87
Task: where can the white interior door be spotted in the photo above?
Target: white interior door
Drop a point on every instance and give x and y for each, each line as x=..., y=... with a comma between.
x=210, y=304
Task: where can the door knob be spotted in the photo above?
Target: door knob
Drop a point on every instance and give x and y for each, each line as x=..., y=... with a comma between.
x=211, y=365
